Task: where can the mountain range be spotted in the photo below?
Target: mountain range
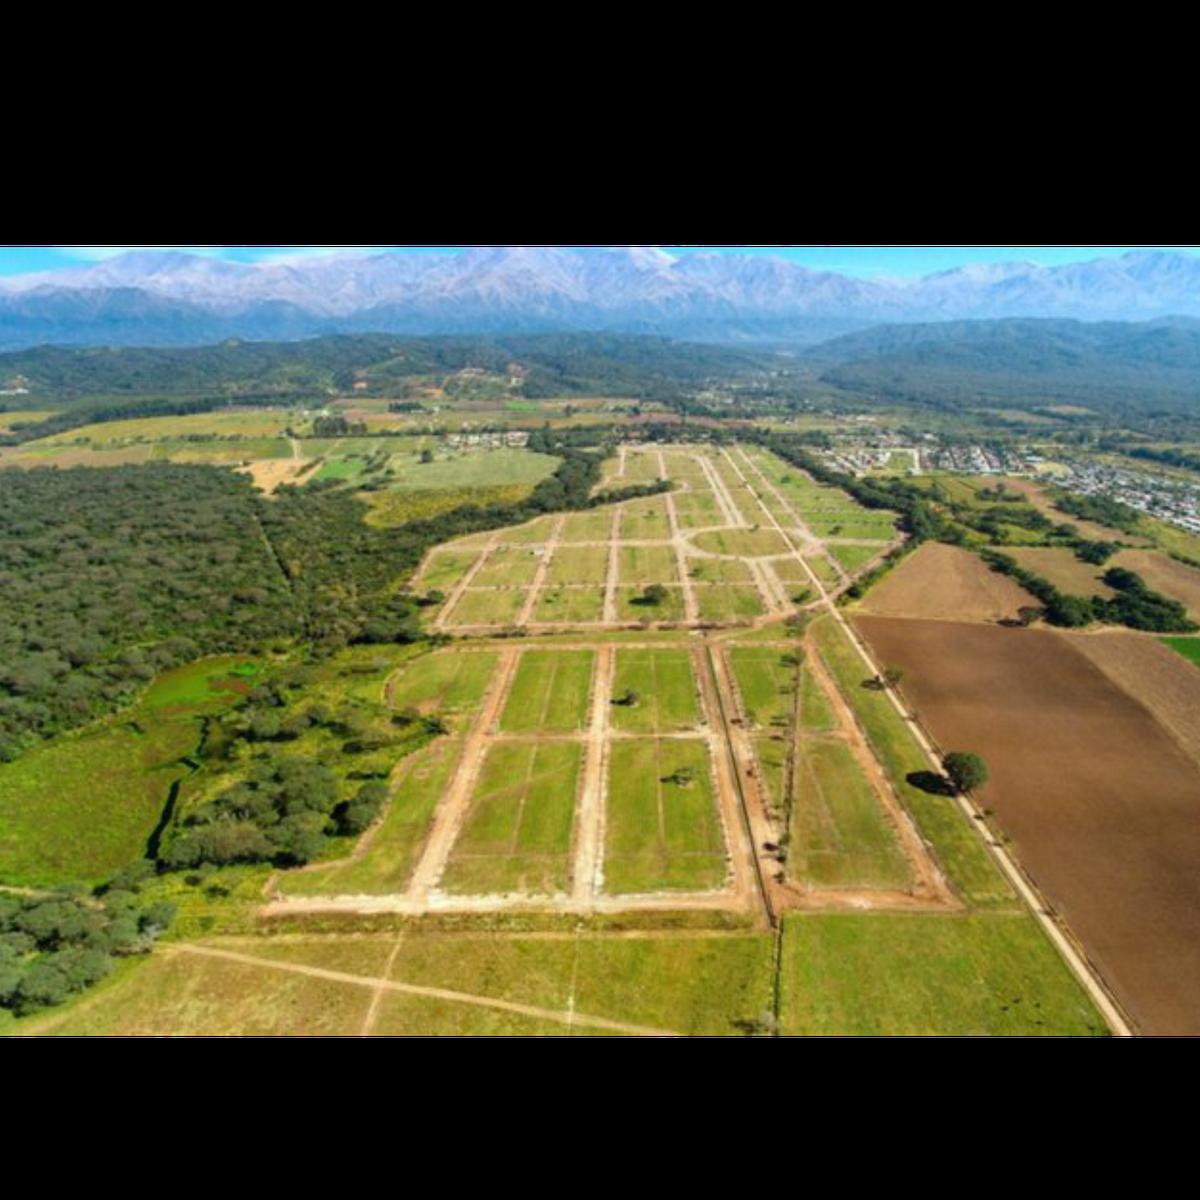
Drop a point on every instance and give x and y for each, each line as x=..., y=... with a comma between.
x=175, y=298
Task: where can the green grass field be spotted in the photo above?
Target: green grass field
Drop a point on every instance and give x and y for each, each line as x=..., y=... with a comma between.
x=720, y=602
x=517, y=836
x=569, y=604
x=852, y=557
x=766, y=678
x=508, y=566
x=631, y=607
x=472, y=469
x=661, y=833
x=444, y=684
x=718, y=570
x=741, y=543
x=549, y=692
x=666, y=690
x=578, y=564
x=595, y=525
x=445, y=568
x=488, y=606
x=639, y=565
x=840, y=835
x=958, y=847
x=645, y=520
x=697, y=510
x=908, y=974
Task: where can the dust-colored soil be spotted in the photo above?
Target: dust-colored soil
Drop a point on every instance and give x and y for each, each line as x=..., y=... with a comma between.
x=1164, y=574
x=1036, y=495
x=1100, y=803
x=946, y=583
x=1164, y=681
x=269, y=473
x=1060, y=566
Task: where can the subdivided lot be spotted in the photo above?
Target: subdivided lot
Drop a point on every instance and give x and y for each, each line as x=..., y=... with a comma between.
x=549, y=692
x=956, y=844
x=384, y=861
x=1060, y=566
x=517, y=834
x=771, y=755
x=646, y=564
x=537, y=530
x=595, y=525
x=946, y=583
x=568, y=604
x=1099, y=802
x=853, y=556
x=662, y=827
x=825, y=570
x=727, y=602
x=841, y=836
x=488, y=606
x=664, y=690
x=641, y=466
x=509, y=566
x=448, y=684
x=578, y=564
x=906, y=974
x=444, y=568
x=741, y=543
x=633, y=605
x=697, y=510
x=719, y=570
x=767, y=678
x=645, y=520
x=1164, y=574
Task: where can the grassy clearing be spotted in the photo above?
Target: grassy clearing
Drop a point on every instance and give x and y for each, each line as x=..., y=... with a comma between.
x=448, y=684
x=741, y=543
x=549, y=692
x=645, y=520
x=851, y=558
x=398, y=508
x=517, y=836
x=445, y=568
x=766, y=679
x=488, y=606
x=578, y=564
x=473, y=469
x=719, y=570
x=667, y=698
x=631, y=606
x=840, y=835
x=697, y=510
x=728, y=602
x=771, y=754
x=957, y=845
x=509, y=566
x=816, y=715
x=639, y=565
x=569, y=604
x=594, y=525
x=904, y=974
x=537, y=530
x=662, y=833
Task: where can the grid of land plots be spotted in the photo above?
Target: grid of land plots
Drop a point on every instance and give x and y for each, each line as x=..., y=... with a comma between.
x=578, y=777
x=739, y=540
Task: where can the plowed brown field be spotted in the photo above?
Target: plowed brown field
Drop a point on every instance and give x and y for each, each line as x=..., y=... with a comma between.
x=1165, y=575
x=1101, y=804
x=940, y=582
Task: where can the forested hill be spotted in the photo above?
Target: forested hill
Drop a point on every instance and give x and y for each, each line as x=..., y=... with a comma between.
x=1114, y=366
x=550, y=365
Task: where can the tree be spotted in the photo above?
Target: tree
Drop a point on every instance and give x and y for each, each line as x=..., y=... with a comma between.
x=654, y=594
x=427, y=456
x=892, y=676
x=967, y=771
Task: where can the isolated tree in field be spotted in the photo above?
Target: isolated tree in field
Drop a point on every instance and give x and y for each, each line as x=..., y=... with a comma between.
x=427, y=456
x=892, y=676
x=654, y=594
x=682, y=777
x=627, y=699
x=967, y=771
x=1027, y=614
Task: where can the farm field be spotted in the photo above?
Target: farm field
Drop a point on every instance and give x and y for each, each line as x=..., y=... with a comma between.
x=1163, y=574
x=663, y=830
x=946, y=583
x=1114, y=850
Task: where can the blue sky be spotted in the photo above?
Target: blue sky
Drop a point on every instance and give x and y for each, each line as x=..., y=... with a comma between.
x=864, y=261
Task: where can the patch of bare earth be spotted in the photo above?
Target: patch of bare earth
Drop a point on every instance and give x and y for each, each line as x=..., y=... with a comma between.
x=1164, y=574
x=946, y=583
